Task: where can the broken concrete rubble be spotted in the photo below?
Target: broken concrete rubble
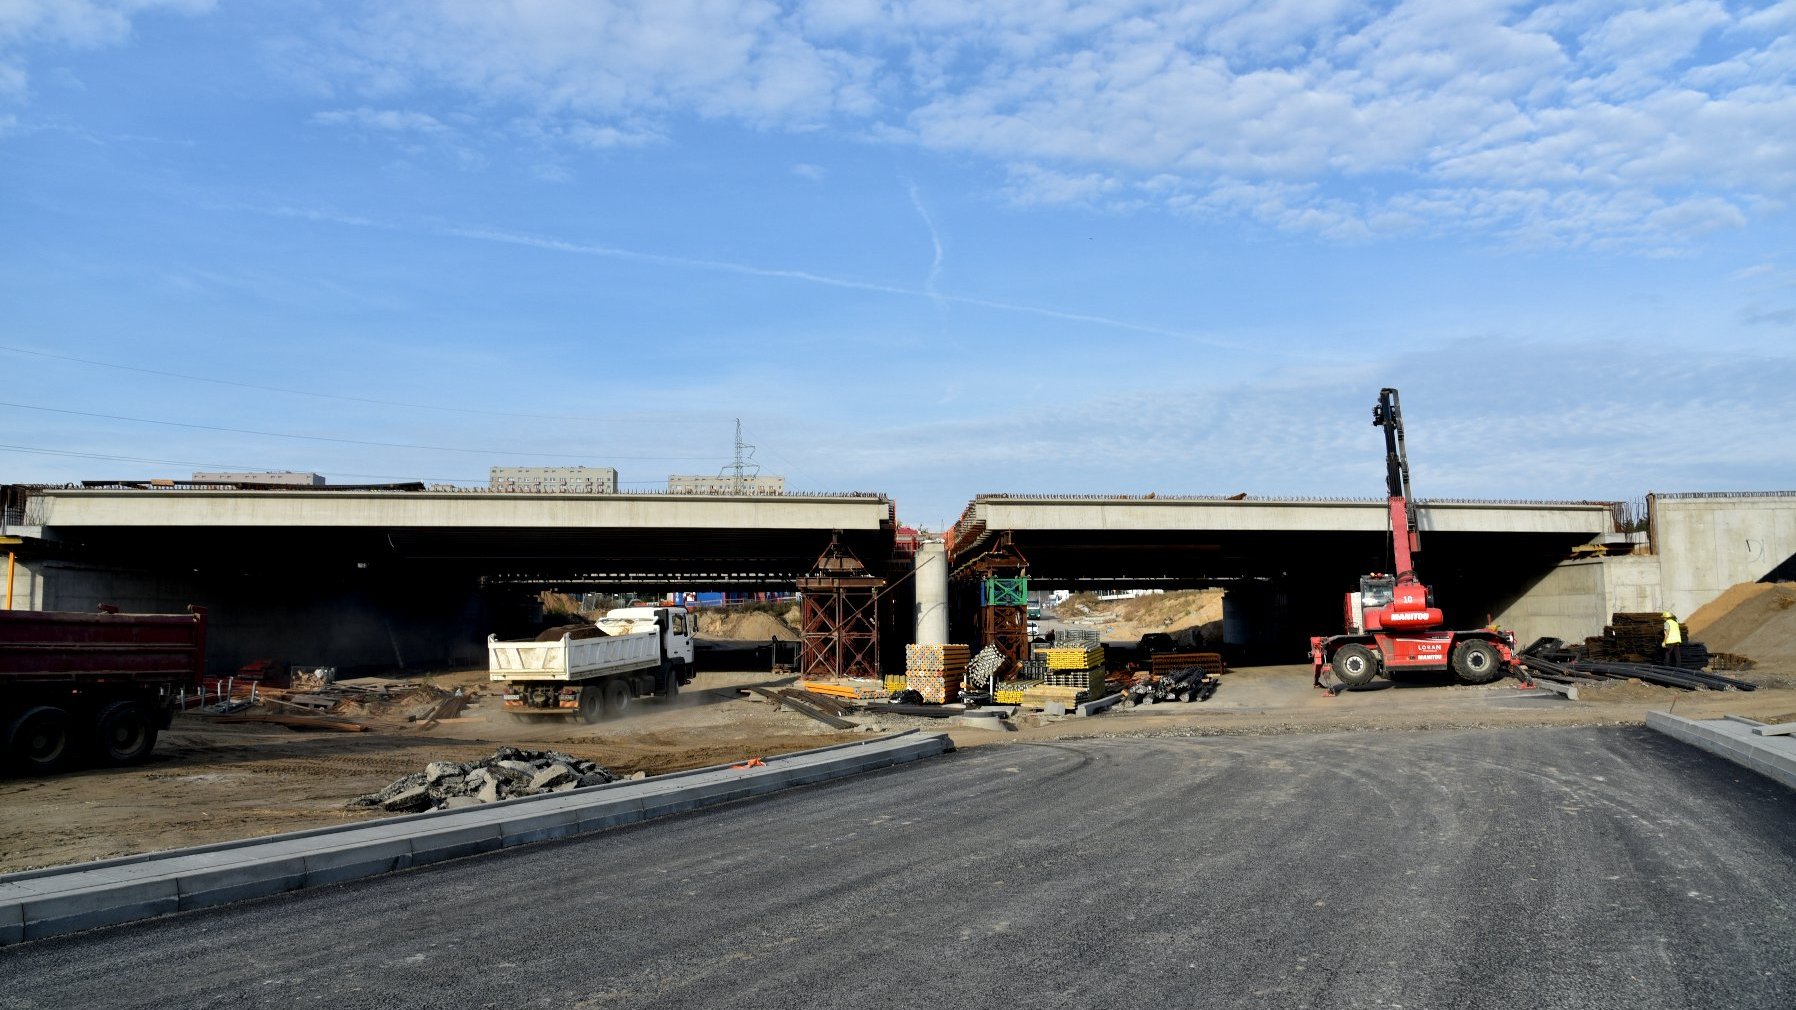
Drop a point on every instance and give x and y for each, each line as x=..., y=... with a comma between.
x=507, y=774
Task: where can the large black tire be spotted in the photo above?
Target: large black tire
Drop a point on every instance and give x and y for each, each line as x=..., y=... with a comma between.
x=617, y=698
x=37, y=742
x=125, y=733
x=592, y=703
x=670, y=683
x=1354, y=665
x=1477, y=661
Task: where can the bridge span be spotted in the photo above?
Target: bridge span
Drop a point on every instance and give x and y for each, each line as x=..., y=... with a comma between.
x=379, y=576
x=1285, y=561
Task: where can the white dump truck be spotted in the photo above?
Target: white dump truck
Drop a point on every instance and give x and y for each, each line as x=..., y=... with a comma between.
x=593, y=674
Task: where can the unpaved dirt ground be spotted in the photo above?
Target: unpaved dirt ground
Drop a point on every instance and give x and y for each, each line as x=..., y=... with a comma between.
x=208, y=782
x=211, y=782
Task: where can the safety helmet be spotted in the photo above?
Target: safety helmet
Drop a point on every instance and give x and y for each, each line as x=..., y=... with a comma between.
x=1665, y=614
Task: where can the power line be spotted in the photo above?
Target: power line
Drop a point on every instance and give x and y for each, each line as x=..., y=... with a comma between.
x=351, y=399
x=345, y=441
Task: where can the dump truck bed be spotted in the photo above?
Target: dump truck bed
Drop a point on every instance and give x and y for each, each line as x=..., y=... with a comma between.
x=572, y=659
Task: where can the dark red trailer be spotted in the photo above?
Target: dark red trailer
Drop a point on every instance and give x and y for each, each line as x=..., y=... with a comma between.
x=101, y=684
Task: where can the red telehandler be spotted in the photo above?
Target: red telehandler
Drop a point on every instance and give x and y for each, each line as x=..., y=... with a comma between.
x=1392, y=622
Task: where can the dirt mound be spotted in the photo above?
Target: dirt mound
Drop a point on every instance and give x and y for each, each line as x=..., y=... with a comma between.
x=573, y=631
x=1195, y=612
x=1753, y=619
x=744, y=625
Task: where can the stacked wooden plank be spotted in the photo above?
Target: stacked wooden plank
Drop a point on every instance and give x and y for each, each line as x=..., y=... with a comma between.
x=936, y=671
x=852, y=688
x=1166, y=662
x=1630, y=638
x=1039, y=696
x=1010, y=692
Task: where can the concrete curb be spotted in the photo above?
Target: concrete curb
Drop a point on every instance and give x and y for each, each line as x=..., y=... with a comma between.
x=41, y=903
x=1733, y=738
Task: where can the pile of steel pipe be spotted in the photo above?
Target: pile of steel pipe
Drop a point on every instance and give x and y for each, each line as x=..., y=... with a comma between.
x=1669, y=676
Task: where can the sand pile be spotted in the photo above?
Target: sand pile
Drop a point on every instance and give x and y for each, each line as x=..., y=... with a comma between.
x=1754, y=619
x=1185, y=610
x=744, y=625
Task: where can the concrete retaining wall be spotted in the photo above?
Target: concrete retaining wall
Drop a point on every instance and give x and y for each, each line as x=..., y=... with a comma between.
x=42, y=903
x=1706, y=544
x=1576, y=598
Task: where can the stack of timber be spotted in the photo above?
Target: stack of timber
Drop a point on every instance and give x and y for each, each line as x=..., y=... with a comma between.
x=1011, y=692
x=1630, y=638
x=851, y=688
x=936, y=671
x=1167, y=662
x=1039, y=696
x=894, y=683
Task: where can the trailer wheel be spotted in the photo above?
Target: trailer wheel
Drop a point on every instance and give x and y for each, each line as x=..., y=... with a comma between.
x=617, y=697
x=1354, y=665
x=37, y=742
x=1477, y=662
x=124, y=734
x=592, y=703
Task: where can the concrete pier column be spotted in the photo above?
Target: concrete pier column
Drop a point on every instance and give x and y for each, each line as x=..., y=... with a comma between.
x=932, y=593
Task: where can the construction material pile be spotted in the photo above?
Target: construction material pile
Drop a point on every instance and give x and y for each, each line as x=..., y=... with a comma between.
x=851, y=688
x=1191, y=683
x=936, y=672
x=509, y=773
x=1550, y=659
x=1631, y=638
x=984, y=667
x=1171, y=662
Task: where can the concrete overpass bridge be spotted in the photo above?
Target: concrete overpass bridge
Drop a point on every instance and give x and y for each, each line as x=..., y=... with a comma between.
x=381, y=576
x=1286, y=561
x=404, y=577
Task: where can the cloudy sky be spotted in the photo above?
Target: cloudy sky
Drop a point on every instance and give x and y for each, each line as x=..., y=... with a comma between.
x=931, y=248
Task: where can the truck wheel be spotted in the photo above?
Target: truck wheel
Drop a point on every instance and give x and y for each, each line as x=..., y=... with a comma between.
x=124, y=734
x=617, y=698
x=37, y=742
x=1354, y=665
x=1477, y=662
x=592, y=703
x=670, y=684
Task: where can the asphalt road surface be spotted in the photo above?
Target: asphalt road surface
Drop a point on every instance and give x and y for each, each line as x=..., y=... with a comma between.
x=1525, y=868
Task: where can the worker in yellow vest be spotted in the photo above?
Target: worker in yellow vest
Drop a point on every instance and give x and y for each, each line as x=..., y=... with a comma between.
x=1674, y=639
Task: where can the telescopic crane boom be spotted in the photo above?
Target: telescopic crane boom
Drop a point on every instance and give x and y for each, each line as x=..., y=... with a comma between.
x=1391, y=621
x=1405, y=540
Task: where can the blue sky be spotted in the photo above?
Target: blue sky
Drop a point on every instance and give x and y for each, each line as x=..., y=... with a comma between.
x=926, y=248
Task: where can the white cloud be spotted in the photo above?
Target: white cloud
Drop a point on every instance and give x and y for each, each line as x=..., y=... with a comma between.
x=388, y=120
x=27, y=25
x=815, y=173
x=1589, y=122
